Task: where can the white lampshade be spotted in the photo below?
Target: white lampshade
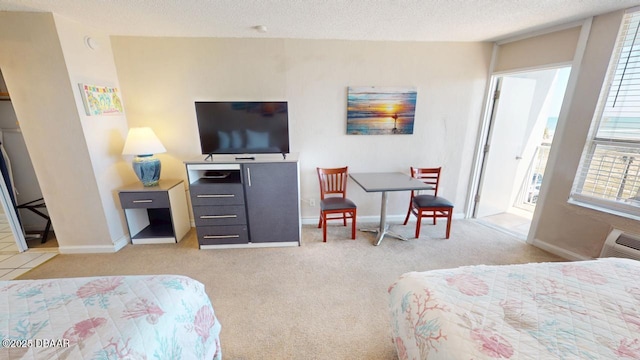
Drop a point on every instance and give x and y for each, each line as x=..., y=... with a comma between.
x=142, y=141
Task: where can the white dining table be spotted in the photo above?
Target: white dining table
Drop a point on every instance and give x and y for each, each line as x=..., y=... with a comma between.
x=385, y=182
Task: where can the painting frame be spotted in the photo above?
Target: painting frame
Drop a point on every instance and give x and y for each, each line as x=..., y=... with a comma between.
x=101, y=100
x=373, y=110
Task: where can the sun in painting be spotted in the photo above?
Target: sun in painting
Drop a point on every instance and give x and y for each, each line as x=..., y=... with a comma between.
x=380, y=111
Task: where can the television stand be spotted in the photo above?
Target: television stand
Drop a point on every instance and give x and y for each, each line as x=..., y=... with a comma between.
x=210, y=156
x=228, y=198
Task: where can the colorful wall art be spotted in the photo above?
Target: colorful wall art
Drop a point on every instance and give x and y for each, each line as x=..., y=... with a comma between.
x=101, y=100
x=380, y=111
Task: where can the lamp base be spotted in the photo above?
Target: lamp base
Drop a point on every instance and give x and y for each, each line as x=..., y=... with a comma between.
x=147, y=168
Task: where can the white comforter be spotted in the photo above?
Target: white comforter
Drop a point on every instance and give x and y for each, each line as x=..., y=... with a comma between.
x=568, y=310
x=120, y=317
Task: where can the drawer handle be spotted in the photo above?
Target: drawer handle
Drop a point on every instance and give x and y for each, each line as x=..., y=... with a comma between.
x=218, y=216
x=221, y=236
x=142, y=201
x=216, y=196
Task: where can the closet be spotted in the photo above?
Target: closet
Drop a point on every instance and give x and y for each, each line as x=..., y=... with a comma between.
x=20, y=192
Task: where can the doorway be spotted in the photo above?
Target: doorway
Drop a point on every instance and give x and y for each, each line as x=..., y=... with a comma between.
x=522, y=122
x=24, y=210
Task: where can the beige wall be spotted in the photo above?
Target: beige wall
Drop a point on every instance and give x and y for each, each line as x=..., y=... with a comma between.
x=104, y=135
x=551, y=48
x=576, y=230
x=162, y=77
x=34, y=68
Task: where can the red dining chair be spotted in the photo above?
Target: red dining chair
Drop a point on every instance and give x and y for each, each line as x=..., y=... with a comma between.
x=429, y=206
x=333, y=182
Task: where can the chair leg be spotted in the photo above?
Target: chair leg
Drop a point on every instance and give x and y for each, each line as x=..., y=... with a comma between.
x=449, y=212
x=435, y=215
x=406, y=219
x=353, y=225
x=320, y=221
x=45, y=234
x=418, y=223
x=324, y=228
x=344, y=219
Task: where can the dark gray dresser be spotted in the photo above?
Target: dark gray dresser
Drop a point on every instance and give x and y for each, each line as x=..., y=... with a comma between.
x=245, y=203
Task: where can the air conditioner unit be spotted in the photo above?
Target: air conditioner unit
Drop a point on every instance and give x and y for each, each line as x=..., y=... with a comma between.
x=620, y=244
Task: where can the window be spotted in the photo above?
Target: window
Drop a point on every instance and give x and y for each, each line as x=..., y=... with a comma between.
x=608, y=177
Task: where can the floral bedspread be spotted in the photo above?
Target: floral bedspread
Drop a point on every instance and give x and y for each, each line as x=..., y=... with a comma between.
x=567, y=310
x=119, y=317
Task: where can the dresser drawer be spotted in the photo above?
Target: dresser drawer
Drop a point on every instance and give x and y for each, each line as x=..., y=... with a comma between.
x=219, y=215
x=215, y=235
x=144, y=200
x=217, y=194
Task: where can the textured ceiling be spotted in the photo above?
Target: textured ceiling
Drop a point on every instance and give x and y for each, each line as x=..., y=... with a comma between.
x=397, y=20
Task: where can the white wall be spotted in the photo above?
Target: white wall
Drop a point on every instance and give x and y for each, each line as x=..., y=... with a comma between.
x=162, y=77
x=34, y=68
x=104, y=135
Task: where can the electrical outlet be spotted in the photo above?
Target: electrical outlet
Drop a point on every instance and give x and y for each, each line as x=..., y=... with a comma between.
x=312, y=202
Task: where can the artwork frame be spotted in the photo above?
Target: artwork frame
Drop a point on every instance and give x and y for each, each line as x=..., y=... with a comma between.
x=101, y=100
x=375, y=110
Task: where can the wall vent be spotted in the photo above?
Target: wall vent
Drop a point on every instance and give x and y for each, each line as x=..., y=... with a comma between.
x=621, y=244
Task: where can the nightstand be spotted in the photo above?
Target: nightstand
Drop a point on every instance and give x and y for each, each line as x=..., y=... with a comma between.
x=155, y=214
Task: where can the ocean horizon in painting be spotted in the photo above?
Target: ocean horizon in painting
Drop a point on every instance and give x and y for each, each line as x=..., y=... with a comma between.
x=380, y=111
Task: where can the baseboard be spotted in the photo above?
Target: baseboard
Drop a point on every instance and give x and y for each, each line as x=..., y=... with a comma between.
x=89, y=249
x=563, y=253
x=375, y=218
x=120, y=243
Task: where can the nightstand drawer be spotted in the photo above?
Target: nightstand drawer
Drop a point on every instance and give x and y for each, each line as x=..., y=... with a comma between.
x=144, y=200
x=219, y=215
x=223, y=194
x=214, y=235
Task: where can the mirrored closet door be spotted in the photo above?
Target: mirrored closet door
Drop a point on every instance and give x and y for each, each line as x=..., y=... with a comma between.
x=25, y=220
x=11, y=234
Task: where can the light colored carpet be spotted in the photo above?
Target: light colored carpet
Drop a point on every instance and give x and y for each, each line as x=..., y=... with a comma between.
x=316, y=301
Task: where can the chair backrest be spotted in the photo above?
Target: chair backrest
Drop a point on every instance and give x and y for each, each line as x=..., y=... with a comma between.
x=429, y=176
x=333, y=181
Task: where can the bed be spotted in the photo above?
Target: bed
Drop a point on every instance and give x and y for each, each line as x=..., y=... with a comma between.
x=116, y=317
x=566, y=310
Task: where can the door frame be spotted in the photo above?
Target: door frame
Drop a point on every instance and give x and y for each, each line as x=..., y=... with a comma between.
x=585, y=28
x=482, y=150
x=490, y=118
x=487, y=127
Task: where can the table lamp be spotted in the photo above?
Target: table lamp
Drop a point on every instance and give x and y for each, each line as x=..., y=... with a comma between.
x=143, y=143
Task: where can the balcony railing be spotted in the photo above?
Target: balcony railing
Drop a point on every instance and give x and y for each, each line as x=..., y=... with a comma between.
x=613, y=172
x=530, y=188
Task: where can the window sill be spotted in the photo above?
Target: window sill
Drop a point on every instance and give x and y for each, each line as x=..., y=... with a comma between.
x=633, y=214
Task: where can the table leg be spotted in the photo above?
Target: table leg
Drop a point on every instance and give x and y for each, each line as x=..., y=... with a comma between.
x=384, y=228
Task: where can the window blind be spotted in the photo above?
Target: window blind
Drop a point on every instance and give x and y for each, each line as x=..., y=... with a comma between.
x=609, y=173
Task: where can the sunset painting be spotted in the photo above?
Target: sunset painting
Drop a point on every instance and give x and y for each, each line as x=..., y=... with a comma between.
x=380, y=111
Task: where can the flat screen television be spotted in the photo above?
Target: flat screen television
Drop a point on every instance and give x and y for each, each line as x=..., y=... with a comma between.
x=247, y=127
